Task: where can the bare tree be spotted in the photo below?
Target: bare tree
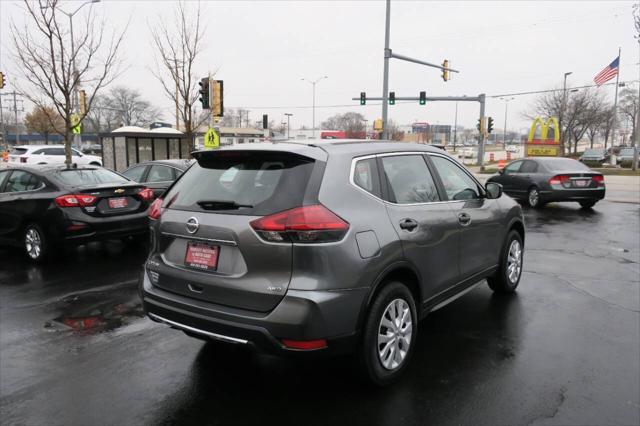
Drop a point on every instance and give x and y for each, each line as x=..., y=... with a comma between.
x=102, y=118
x=45, y=121
x=53, y=63
x=178, y=47
x=352, y=123
x=629, y=108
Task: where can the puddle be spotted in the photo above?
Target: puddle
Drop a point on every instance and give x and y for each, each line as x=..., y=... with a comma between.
x=97, y=311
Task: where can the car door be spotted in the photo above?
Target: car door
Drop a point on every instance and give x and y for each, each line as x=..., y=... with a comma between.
x=77, y=157
x=508, y=177
x=427, y=227
x=4, y=217
x=17, y=204
x=159, y=178
x=479, y=218
x=527, y=175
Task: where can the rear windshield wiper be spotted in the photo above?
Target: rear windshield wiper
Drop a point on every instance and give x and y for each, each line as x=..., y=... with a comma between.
x=221, y=205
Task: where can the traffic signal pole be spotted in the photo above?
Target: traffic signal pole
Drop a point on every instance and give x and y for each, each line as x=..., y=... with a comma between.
x=388, y=54
x=483, y=134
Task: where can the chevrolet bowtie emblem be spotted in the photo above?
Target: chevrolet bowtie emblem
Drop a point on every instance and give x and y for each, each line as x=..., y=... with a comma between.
x=119, y=191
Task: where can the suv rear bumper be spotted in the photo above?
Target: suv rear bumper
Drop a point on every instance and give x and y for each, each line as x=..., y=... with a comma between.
x=300, y=316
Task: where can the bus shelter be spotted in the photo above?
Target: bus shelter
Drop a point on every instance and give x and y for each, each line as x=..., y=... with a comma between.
x=129, y=145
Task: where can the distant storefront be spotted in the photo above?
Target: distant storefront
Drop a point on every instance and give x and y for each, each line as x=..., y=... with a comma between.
x=129, y=145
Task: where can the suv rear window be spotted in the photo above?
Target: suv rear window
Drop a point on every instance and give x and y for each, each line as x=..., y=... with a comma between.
x=243, y=182
x=82, y=177
x=18, y=151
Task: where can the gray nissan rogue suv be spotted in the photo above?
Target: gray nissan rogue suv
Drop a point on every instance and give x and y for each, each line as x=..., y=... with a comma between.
x=326, y=247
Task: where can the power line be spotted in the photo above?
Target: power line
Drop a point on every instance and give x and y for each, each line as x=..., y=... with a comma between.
x=559, y=90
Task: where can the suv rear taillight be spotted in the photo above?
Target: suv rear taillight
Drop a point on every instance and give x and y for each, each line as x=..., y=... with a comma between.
x=75, y=200
x=599, y=179
x=308, y=224
x=146, y=194
x=23, y=159
x=559, y=180
x=155, y=209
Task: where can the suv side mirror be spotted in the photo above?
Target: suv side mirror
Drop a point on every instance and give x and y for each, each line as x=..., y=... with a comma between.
x=494, y=190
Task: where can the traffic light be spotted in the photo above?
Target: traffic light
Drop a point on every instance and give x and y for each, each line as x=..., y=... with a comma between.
x=480, y=125
x=204, y=92
x=489, y=125
x=83, y=102
x=392, y=98
x=1, y=80
x=445, y=72
x=265, y=121
x=423, y=98
x=363, y=98
x=217, y=101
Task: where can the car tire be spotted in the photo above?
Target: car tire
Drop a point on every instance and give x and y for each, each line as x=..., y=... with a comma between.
x=534, y=200
x=383, y=367
x=35, y=243
x=587, y=204
x=507, y=277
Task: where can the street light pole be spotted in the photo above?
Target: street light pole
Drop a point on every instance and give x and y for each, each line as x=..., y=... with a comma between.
x=506, y=108
x=313, y=83
x=288, y=114
x=455, y=128
x=564, y=105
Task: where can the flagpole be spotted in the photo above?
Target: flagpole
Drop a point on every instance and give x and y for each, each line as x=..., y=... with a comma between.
x=615, y=103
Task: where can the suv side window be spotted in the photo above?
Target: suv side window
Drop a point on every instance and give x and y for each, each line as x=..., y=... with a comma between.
x=456, y=182
x=54, y=151
x=38, y=152
x=513, y=167
x=22, y=181
x=409, y=179
x=529, y=167
x=365, y=175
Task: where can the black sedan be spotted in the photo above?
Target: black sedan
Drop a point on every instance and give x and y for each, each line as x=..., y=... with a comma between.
x=157, y=175
x=545, y=179
x=44, y=207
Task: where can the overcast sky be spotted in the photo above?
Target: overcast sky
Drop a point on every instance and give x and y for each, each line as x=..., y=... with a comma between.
x=262, y=50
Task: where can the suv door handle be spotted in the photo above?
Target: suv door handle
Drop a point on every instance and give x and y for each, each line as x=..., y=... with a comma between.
x=408, y=224
x=464, y=219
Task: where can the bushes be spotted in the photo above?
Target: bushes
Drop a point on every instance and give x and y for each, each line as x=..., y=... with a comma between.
x=626, y=164
x=592, y=163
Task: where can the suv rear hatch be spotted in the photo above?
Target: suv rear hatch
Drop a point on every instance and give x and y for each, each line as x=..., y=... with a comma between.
x=205, y=246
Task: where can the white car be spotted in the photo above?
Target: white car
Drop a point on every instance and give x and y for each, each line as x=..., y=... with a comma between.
x=50, y=154
x=468, y=152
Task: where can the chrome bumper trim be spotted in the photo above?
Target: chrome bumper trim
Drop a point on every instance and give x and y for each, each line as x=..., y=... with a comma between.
x=197, y=330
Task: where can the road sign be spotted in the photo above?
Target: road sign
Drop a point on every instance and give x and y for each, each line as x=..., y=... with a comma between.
x=77, y=127
x=211, y=139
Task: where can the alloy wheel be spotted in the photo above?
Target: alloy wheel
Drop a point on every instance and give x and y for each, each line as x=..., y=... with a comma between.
x=33, y=243
x=534, y=197
x=514, y=261
x=394, y=334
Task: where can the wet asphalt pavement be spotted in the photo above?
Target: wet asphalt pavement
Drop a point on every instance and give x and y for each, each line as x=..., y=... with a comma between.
x=75, y=350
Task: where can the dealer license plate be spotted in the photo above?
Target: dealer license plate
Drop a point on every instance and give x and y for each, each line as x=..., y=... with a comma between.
x=202, y=256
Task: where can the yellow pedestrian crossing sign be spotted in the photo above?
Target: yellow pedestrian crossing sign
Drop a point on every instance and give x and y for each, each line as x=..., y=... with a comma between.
x=211, y=139
x=77, y=127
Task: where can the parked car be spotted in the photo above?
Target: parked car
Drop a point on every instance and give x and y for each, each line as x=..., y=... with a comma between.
x=511, y=148
x=626, y=154
x=50, y=154
x=326, y=247
x=44, y=207
x=545, y=179
x=596, y=155
x=157, y=175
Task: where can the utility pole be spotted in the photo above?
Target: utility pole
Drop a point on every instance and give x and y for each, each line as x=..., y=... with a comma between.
x=366, y=123
x=288, y=114
x=482, y=99
x=15, y=110
x=4, y=127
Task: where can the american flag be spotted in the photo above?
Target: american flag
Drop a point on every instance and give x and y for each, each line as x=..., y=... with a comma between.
x=608, y=72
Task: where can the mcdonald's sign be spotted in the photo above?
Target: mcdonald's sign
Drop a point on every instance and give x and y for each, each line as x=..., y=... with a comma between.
x=543, y=145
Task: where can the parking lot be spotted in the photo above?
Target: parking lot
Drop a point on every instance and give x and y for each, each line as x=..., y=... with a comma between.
x=76, y=350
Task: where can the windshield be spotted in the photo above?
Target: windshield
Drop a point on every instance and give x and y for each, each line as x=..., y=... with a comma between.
x=564, y=164
x=593, y=152
x=236, y=182
x=90, y=177
x=627, y=152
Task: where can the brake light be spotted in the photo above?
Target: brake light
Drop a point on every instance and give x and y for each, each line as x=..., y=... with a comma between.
x=305, y=345
x=146, y=194
x=155, y=210
x=599, y=179
x=308, y=224
x=75, y=200
x=23, y=159
x=559, y=180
